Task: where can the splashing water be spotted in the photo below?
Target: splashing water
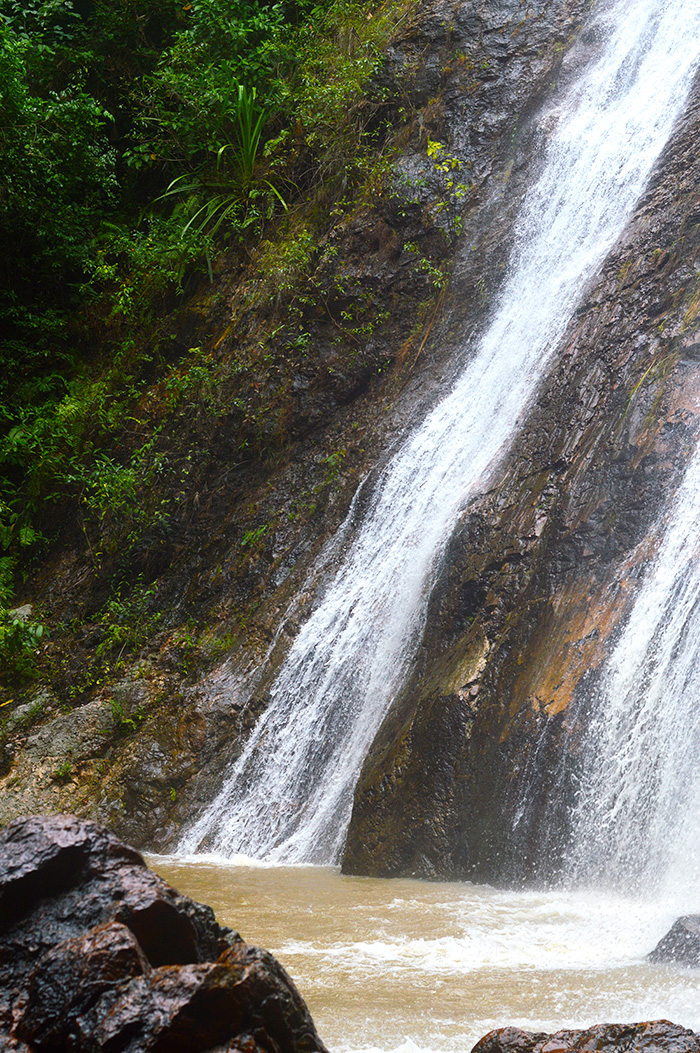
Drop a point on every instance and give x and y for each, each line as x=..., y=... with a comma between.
x=637, y=821
x=289, y=795
x=430, y=967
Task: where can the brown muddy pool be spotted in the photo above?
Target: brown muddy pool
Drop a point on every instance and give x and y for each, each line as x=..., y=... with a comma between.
x=410, y=965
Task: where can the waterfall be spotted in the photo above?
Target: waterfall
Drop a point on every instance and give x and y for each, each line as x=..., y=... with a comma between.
x=637, y=821
x=288, y=796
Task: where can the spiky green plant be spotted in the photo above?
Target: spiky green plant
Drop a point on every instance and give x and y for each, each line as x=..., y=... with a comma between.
x=233, y=187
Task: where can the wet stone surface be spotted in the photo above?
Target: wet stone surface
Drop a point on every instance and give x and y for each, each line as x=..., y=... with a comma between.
x=681, y=943
x=656, y=1036
x=98, y=953
x=474, y=771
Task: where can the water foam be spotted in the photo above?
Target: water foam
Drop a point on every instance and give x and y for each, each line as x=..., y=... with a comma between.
x=439, y=964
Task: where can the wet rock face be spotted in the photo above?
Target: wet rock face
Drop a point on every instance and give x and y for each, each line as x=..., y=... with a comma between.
x=98, y=953
x=656, y=1036
x=474, y=771
x=681, y=943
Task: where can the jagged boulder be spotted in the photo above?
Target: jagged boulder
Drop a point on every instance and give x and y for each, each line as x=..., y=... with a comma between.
x=98, y=953
x=655, y=1036
x=681, y=943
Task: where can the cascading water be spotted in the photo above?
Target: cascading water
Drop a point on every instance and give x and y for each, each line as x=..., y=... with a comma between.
x=289, y=795
x=637, y=821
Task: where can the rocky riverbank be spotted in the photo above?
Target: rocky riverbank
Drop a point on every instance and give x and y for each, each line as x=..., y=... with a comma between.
x=98, y=953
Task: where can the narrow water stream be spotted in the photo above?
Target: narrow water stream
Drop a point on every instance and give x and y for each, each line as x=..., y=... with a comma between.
x=410, y=965
x=637, y=821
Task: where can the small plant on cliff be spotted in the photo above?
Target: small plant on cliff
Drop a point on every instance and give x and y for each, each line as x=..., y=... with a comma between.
x=19, y=641
x=252, y=538
x=438, y=278
x=122, y=722
x=20, y=634
x=127, y=621
x=448, y=169
x=63, y=773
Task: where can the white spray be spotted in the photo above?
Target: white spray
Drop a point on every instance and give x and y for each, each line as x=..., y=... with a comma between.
x=637, y=823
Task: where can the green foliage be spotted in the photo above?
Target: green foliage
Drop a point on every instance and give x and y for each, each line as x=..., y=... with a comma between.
x=138, y=139
x=437, y=277
x=283, y=264
x=110, y=487
x=58, y=173
x=119, y=498
x=232, y=191
x=20, y=635
x=252, y=538
x=248, y=121
x=185, y=641
x=64, y=240
x=63, y=773
x=127, y=621
x=455, y=192
x=187, y=106
x=19, y=640
x=217, y=646
x=136, y=268
x=14, y=533
x=123, y=722
x=333, y=120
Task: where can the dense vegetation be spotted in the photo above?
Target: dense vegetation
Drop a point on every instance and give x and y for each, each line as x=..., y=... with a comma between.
x=143, y=141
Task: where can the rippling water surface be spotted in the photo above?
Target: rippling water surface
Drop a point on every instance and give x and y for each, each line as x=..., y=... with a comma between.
x=398, y=964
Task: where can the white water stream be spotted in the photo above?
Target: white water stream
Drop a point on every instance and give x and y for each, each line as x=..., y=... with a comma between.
x=288, y=797
x=637, y=825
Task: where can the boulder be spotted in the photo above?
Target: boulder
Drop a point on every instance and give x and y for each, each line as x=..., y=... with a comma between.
x=98, y=953
x=681, y=943
x=656, y=1036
